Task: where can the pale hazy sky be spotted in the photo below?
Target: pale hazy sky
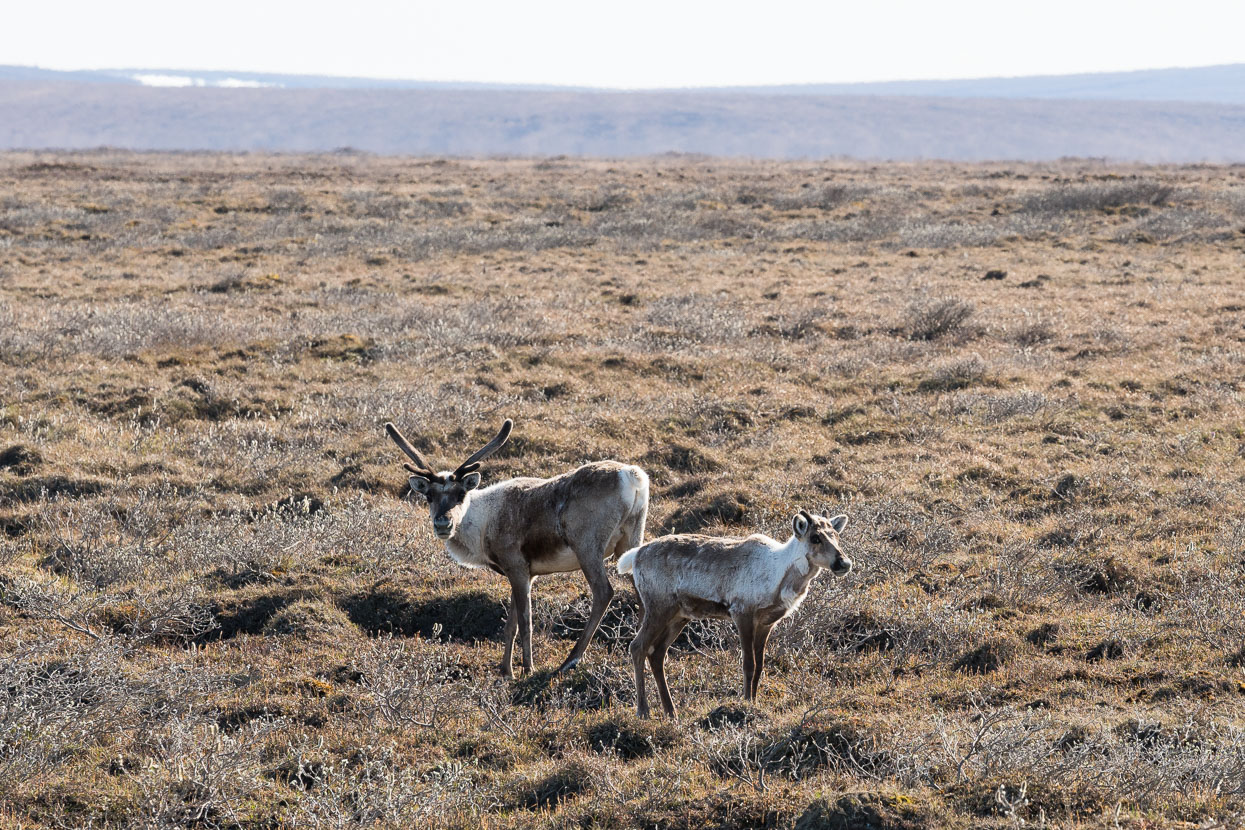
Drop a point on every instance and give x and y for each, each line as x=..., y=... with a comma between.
x=640, y=43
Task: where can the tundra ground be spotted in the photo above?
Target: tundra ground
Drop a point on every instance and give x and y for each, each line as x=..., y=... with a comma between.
x=1023, y=383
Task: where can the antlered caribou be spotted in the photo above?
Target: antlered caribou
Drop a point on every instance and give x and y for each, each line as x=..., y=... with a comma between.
x=523, y=528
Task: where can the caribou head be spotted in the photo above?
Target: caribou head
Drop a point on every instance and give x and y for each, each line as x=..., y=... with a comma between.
x=822, y=537
x=447, y=492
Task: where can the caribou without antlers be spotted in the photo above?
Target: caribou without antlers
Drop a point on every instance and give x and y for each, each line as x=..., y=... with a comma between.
x=527, y=527
x=755, y=582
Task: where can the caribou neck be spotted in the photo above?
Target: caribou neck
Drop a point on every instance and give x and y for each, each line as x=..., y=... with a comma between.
x=467, y=539
x=799, y=572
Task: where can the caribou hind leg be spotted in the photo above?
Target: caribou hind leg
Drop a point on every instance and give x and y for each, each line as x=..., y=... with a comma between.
x=592, y=560
x=593, y=552
x=652, y=626
x=657, y=661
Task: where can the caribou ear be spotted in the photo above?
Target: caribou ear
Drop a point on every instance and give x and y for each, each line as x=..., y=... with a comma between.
x=800, y=524
x=470, y=481
x=418, y=484
x=839, y=522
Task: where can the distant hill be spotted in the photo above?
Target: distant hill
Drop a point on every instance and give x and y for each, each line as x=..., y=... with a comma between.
x=1204, y=84
x=72, y=114
x=207, y=78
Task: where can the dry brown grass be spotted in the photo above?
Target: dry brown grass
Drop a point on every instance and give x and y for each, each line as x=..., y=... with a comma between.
x=215, y=610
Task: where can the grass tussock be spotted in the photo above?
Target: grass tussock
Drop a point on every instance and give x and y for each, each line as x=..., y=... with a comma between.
x=310, y=619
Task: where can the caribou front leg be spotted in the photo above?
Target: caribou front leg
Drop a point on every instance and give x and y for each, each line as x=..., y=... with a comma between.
x=512, y=626
x=518, y=621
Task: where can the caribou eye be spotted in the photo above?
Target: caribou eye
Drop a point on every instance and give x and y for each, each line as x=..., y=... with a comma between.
x=815, y=539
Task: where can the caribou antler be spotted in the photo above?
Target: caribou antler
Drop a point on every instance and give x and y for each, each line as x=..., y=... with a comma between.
x=499, y=440
x=423, y=468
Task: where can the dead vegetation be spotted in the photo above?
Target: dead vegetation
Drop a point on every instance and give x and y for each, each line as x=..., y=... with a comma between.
x=216, y=612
